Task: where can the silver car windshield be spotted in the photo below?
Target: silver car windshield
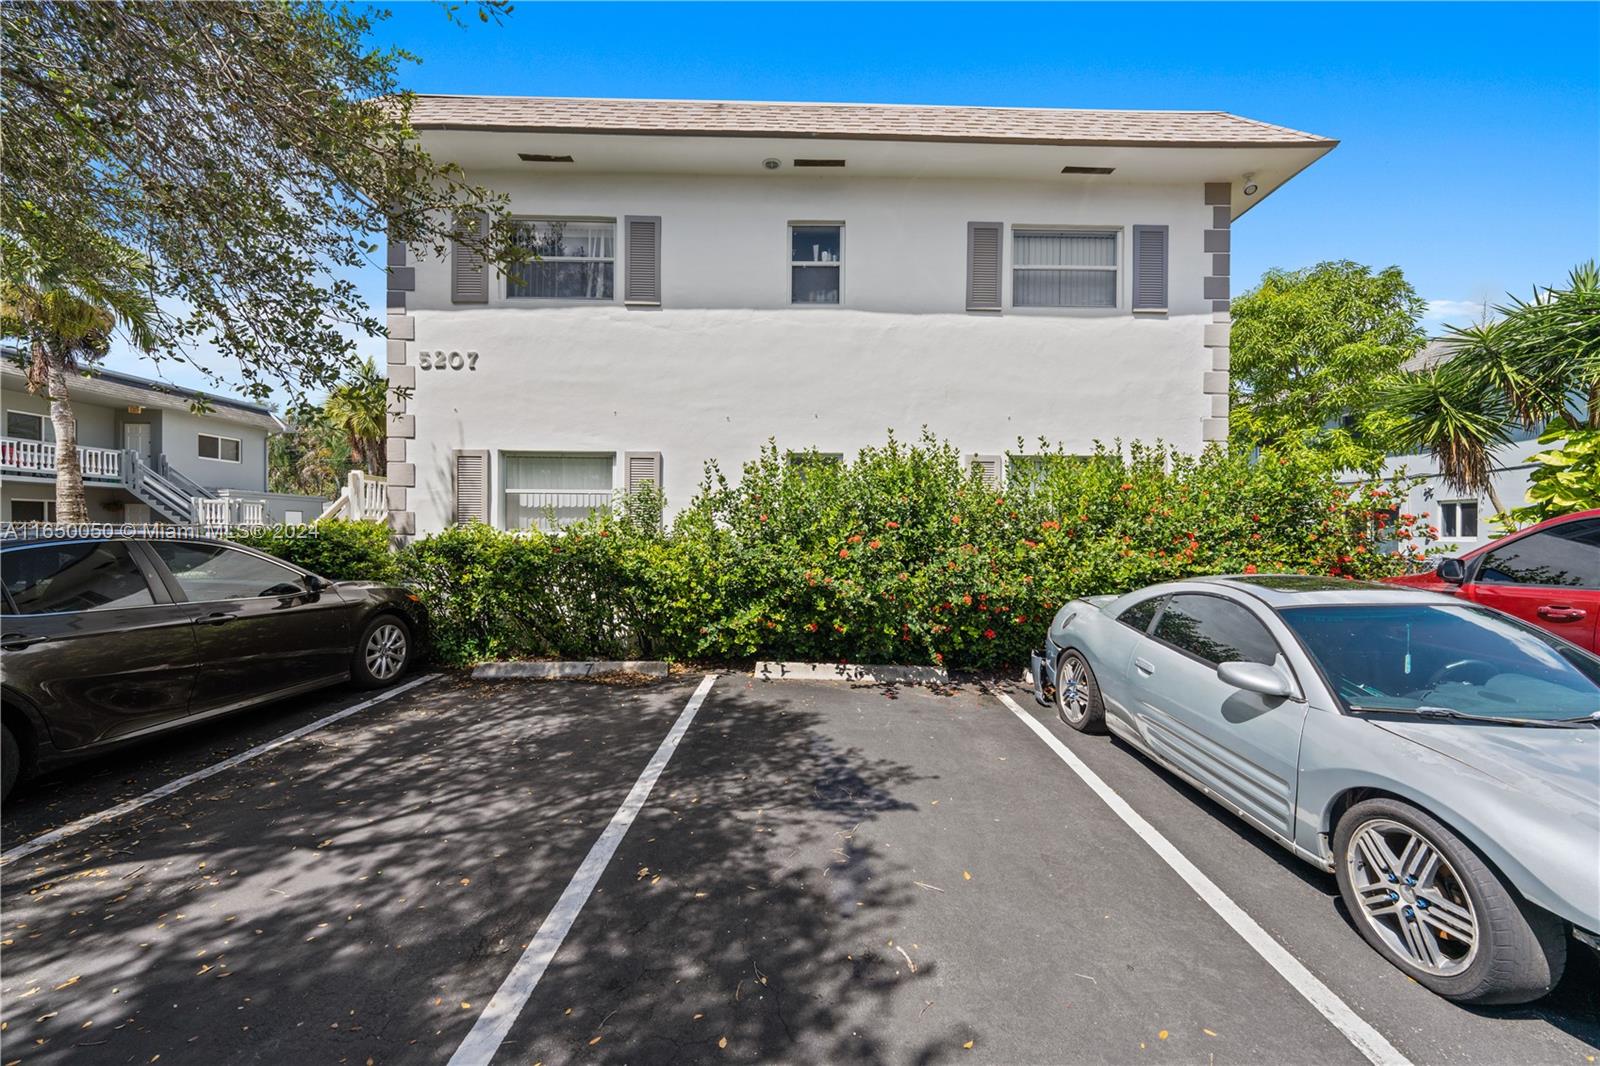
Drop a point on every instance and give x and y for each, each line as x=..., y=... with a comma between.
x=1413, y=657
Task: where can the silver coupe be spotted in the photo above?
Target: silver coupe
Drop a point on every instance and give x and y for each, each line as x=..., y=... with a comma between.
x=1441, y=759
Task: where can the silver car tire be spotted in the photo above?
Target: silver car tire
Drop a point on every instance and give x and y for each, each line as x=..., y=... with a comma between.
x=382, y=653
x=1077, y=695
x=1409, y=882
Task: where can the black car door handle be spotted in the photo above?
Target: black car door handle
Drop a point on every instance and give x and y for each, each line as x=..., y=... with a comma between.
x=216, y=618
x=17, y=641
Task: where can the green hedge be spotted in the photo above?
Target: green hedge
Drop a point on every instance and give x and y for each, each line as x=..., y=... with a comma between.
x=341, y=551
x=903, y=555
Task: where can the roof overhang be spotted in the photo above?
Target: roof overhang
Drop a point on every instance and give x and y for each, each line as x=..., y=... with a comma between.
x=482, y=151
x=117, y=390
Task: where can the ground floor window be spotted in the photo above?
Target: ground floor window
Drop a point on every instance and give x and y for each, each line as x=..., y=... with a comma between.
x=33, y=510
x=548, y=490
x=1458, y=519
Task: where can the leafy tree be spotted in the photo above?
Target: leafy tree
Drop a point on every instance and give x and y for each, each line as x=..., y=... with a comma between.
x=359, y=408
x=66, y=319
x=254, y=153
x=310, y=458
x=1306, y=347
x=1537, y=364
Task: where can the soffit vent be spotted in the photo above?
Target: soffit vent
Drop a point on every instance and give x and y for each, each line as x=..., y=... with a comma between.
x=819, y=162
x=532, y=157
x=1087, y=170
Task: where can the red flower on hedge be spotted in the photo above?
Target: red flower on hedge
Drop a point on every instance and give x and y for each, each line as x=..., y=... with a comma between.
x=1125, y=486
x=855, y=538
x=988, y=634
x=763, y=518
x=967, y=599
x=876, y=544
x=1249, y=568
x=955, y=520
x=938, y=657
x=812, y=627
x=891, y=524
x=844, y=553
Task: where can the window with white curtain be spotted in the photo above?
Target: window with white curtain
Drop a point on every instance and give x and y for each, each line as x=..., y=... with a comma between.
x=1063, y=268
x=577, y=260
x=548, y=490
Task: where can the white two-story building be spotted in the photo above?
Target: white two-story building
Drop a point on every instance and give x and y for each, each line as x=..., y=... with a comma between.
x=711, y=275
x=147, y=455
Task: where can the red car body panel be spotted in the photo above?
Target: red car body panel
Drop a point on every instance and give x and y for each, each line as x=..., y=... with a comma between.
x=1572, y=613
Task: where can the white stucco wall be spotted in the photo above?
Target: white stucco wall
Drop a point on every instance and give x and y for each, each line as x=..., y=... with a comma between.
x=726, y=362
x=180, y=433
x=95, y=422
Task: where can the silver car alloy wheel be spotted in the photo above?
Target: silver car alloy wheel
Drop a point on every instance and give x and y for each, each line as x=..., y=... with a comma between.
x=386, y=651
x=1072, y=691
x=1412, y=897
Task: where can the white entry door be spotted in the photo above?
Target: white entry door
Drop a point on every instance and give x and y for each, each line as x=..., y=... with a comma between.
x=136, y=437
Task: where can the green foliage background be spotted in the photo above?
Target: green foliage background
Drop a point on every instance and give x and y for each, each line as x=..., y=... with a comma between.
x=903, y=555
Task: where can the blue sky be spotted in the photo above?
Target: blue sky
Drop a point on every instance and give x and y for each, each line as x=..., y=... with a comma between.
x=1470, y=133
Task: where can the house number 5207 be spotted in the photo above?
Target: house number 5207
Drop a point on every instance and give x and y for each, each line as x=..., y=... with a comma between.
x=451, y=360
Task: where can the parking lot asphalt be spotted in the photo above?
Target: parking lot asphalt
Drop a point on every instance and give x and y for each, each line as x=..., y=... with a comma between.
x=822, y=873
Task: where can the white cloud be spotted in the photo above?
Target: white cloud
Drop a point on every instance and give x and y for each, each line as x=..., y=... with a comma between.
x=1452, y=312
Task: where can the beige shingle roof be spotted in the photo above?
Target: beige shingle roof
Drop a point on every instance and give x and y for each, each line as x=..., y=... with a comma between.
x=748, y=118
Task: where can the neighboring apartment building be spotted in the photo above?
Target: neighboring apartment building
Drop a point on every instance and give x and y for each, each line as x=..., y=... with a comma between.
x=716, y=274
x=1461, y=518
x=146, y=456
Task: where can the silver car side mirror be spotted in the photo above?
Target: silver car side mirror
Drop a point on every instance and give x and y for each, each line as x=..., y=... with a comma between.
x=1255, y=677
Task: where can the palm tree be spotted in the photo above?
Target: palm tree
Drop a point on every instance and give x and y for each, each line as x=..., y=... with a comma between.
x=1537, y=363
x=68, y=318
x=360, y=409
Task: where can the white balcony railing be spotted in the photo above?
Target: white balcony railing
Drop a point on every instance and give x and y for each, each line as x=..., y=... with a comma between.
x=225, y=512
x=38, y=457
x=364, y=497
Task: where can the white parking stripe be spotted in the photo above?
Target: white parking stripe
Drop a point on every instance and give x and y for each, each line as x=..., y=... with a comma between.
x=1366, y=1039
x=490, y=1030
x=92, y=820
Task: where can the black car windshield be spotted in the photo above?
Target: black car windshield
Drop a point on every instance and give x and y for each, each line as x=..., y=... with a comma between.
x=1468, y=660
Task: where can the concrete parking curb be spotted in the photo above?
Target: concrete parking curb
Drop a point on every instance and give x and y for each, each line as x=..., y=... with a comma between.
x=569, y=668
x=861, y=673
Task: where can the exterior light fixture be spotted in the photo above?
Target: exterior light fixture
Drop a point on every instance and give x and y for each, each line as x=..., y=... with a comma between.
x=771, y=164
x=1250, y=185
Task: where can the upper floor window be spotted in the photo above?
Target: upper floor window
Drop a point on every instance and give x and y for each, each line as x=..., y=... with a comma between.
x=1063, y=268
x=25, y=426
x=225, y=449
x=816, y=263
x=577, y=260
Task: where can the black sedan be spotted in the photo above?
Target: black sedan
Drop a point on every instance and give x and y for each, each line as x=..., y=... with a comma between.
x=108, y=639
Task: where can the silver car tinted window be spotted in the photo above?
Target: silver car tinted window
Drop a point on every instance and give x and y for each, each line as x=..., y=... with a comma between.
x=1215, y=630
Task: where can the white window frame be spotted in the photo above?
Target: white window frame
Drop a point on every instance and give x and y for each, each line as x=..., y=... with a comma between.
x=791, y=262
x=219, y=457
x=49, y=509
x=1477, y=514
x=46, y=425
x=577, y=301
x=1119, y=302
x=506, y=491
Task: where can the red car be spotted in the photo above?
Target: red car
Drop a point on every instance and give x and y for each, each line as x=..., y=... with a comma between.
x=1548, y=574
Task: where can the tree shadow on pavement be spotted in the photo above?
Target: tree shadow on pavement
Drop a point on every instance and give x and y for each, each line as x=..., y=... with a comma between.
x=361, y=893
x=745, y=917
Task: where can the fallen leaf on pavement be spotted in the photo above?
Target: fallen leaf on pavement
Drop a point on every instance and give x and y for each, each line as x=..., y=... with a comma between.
x=965, y=876
x=723, y=1042
x=968, y=1045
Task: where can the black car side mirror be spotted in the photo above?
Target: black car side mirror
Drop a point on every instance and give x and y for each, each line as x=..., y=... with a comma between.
x=315, y=583
x=1451, y=571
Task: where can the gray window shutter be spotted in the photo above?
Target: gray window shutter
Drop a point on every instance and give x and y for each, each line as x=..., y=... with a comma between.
x=1149, y=268
x=641, y=280
x=983, y=266
x=989, y=467
x=472, y=486
x=469, y=281
x=640, y=467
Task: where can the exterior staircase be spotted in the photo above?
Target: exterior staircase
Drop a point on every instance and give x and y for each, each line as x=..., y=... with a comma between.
x=167, y=490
